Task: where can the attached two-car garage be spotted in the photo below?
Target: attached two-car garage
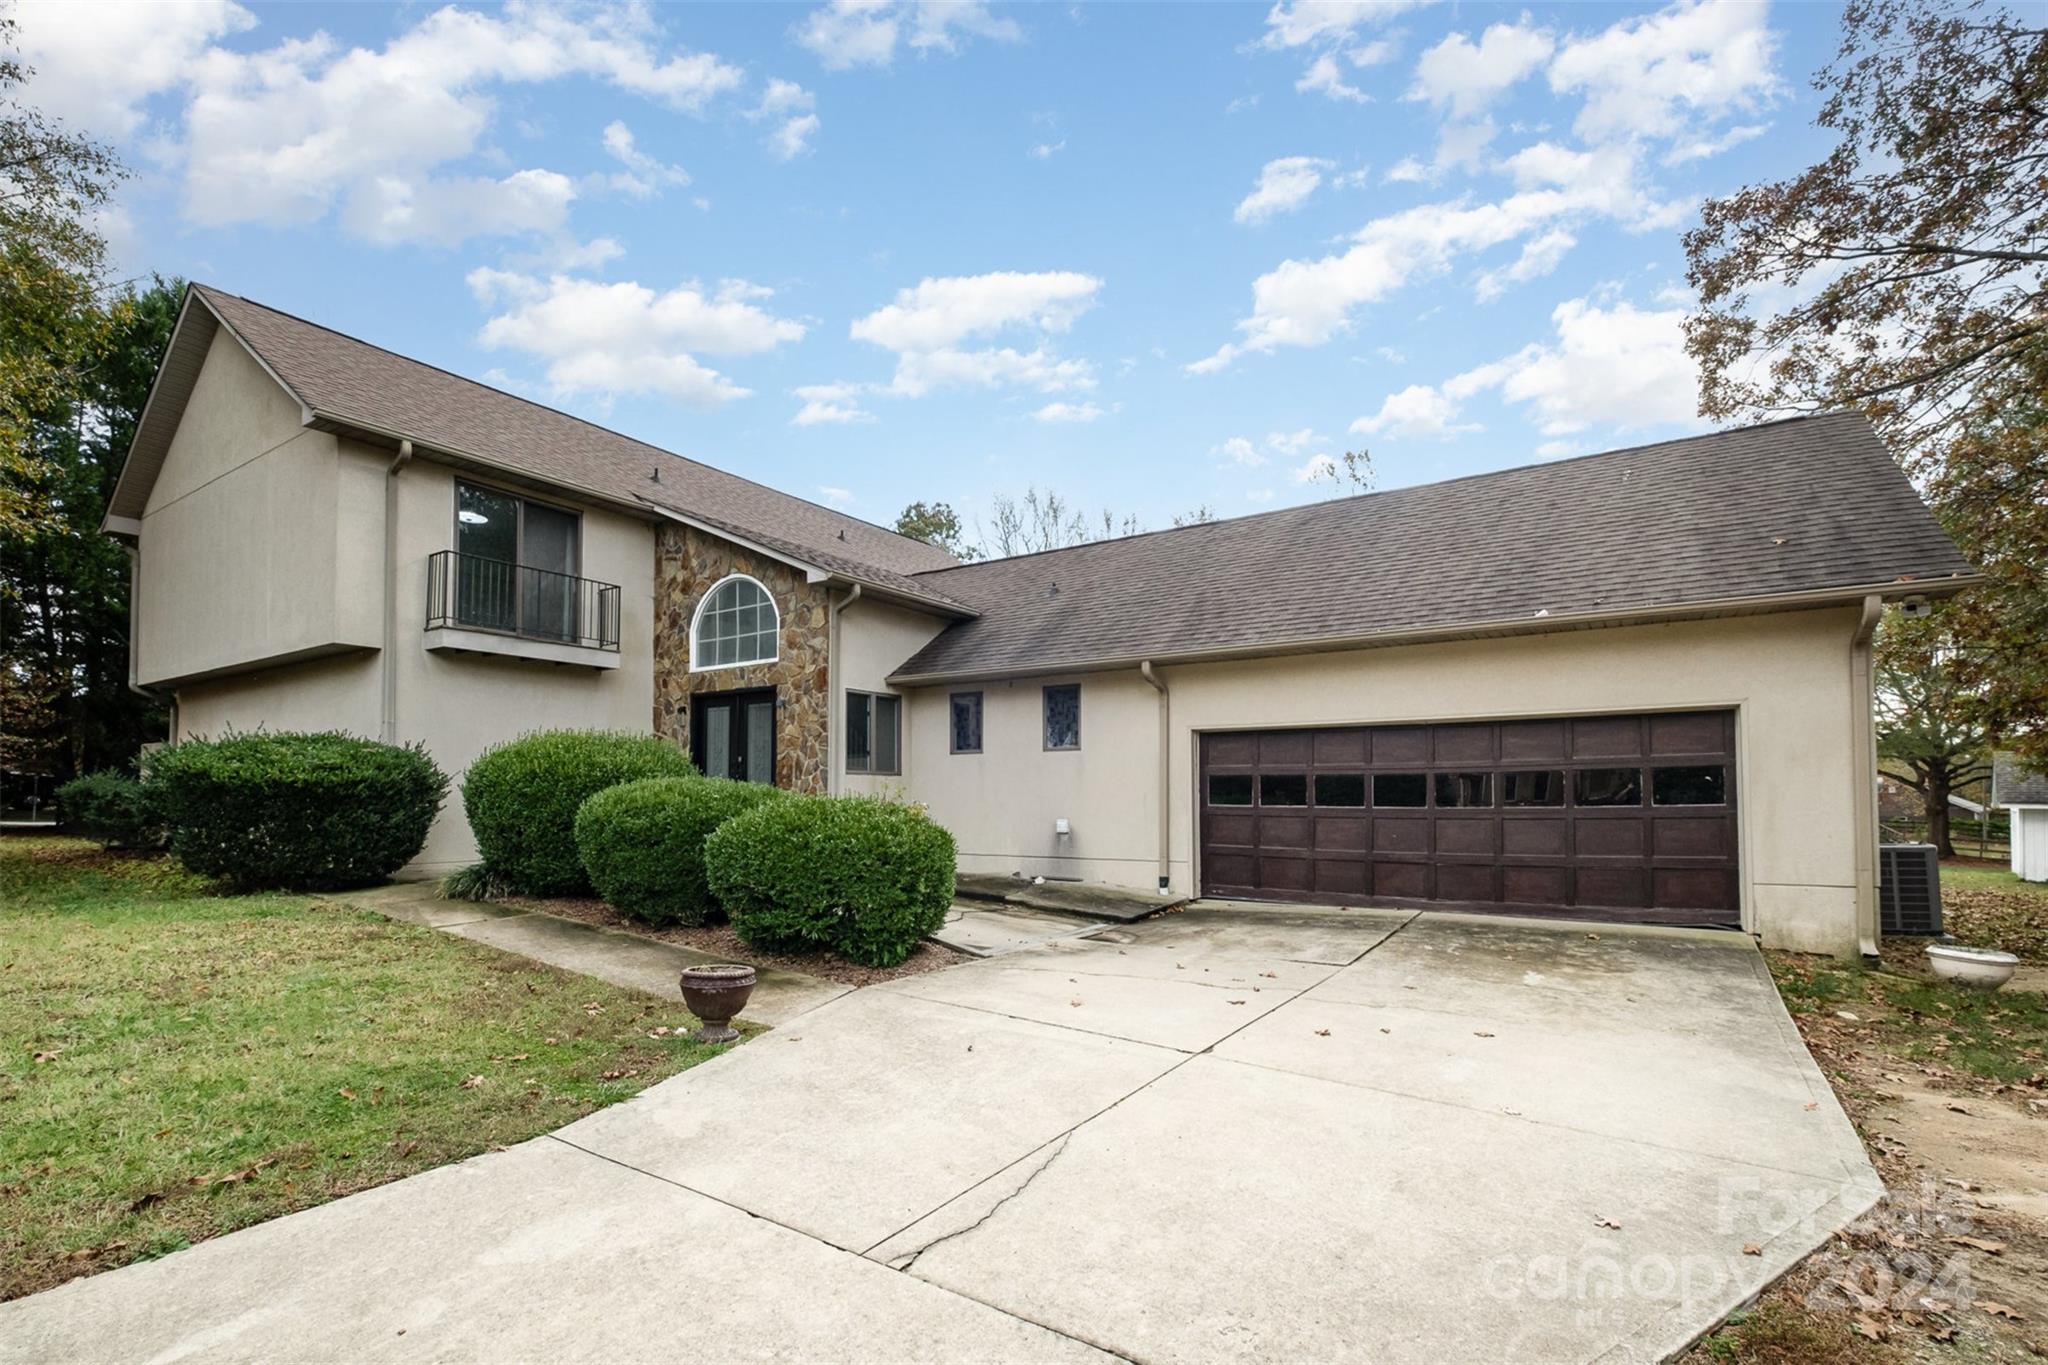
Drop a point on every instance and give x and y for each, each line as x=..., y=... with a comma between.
x=1625, y=817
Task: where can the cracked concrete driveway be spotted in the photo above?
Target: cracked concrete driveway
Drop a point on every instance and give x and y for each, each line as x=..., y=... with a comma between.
x=1230, y=1133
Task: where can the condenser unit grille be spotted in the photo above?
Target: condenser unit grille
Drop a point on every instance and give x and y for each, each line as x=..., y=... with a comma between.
x=1909, y=889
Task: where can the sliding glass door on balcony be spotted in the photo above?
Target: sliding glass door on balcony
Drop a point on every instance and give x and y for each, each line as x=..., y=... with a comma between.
x=515, y=565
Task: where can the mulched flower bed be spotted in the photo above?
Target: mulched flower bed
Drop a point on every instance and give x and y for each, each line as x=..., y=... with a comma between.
x=721, y=941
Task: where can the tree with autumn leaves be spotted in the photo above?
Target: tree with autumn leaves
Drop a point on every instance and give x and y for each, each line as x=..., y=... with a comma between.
x=1906, y=275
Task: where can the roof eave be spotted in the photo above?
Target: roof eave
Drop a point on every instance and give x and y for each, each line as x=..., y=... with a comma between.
x=1703, y=609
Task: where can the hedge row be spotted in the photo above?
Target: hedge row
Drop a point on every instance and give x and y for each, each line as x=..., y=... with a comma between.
x=311, y=812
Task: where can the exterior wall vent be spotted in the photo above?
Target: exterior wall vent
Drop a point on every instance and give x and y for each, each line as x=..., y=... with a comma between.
x=1909, y=889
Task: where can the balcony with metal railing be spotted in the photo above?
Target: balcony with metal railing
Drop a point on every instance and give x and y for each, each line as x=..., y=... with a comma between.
x=488, y=606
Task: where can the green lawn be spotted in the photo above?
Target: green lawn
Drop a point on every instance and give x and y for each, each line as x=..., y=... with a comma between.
x=1972, y=875
x=1998, y=1036
x=1986, y=905
x=178, y=1064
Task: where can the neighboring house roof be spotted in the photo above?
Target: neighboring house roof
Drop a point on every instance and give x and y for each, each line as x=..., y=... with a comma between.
x=2013, y=783
x=1790, y=513
x=349, y=385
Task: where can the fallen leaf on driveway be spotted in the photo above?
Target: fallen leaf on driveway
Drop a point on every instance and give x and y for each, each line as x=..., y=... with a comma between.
x=1076, y=1002
x=1752, y=1249
x=1600, y=1222
x=1957, y=1109
x=1812, y=1105
x=1322, y=1033
x=1237, y=1002
x=1995, y=1248
x=1481, y=1033
x=1386, y=1030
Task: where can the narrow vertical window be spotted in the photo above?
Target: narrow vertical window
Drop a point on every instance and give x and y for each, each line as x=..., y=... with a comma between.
x=966, y=713
x=1063, y=716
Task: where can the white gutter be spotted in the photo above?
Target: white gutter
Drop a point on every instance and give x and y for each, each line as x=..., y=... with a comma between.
x=1863, y=772
x=1165, y=773
x=835, y=700
x=390, y=669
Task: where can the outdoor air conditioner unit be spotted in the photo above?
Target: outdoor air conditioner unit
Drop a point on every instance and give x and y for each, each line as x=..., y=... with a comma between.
x=1908, y=889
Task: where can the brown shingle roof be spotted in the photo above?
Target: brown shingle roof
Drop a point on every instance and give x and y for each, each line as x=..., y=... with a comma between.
x=1806, y=506
x=354, y=382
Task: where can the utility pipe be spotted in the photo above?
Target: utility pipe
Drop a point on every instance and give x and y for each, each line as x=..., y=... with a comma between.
x=1864, y=766
x=834, y=701
x=1165, y=773
x=389, y=706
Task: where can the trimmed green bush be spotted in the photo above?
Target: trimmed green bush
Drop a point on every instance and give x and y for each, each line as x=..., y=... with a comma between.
x=863, y=877
x=307, y=812
x=643, y=843
x=522, y=798
x=117, y=810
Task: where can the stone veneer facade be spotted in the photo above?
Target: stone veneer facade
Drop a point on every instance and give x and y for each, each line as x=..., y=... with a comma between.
x=688, y=564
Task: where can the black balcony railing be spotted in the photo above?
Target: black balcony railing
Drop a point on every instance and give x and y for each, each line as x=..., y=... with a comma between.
x=470, y=592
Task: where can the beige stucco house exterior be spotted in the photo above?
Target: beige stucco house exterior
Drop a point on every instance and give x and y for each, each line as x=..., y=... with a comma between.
x=1633, y=686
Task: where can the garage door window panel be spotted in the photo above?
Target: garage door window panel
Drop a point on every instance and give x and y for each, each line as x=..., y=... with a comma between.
x=1704, y=785
x=1541, y=788
x=1230, y=789
x=1400, y=791
x=1463, y=790
x=1340, y=789
x=1608, y=787
x=1283, y=789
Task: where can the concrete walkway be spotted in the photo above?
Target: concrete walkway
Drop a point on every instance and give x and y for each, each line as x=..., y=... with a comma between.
x=640, y=964
x=1219, y=1135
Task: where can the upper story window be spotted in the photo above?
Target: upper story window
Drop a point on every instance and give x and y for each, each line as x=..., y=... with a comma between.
x=1063, y=716
x=515, y=568
x=736, y=624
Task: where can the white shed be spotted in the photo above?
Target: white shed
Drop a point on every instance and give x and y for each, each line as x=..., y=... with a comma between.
x=2024, y=792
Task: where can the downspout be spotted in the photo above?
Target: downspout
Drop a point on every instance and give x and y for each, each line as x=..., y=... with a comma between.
x=1864, y=766
x=833, y=700
x=389, y=707
x=168, y=700
x=1165, y=773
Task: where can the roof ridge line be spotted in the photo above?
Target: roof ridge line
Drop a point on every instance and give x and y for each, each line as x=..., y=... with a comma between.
x=1389, y=492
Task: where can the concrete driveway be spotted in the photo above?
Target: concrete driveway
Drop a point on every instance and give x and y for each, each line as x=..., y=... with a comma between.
x=1230, y=1133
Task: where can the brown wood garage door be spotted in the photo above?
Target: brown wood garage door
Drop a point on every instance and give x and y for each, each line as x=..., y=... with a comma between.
x=1604, y=817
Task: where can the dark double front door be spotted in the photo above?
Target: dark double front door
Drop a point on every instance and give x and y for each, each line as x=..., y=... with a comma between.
x=732, y=734
x=1601, y=817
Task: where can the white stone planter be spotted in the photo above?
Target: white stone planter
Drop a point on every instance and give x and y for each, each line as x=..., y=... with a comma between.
x=1984, y=968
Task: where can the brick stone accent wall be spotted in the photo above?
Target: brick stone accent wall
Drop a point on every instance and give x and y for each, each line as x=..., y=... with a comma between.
x=688, y=564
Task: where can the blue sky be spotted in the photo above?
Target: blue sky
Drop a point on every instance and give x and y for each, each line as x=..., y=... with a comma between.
x=1150, y=256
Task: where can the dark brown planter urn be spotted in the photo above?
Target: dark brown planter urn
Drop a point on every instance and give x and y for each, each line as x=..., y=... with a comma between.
x=715, y=993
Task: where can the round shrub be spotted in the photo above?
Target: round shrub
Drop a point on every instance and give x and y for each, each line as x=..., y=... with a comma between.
x=311, y=812
x=643, y=842
x=117, y=810
x=863, y=877
x=522, y=796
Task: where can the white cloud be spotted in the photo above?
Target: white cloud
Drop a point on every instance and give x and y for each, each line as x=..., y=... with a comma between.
x=1240, y=450
x=1416, y=412
x=838, y=497
x=1301, y=23
x=937, y=313
x=1661, y=74
x=283, y=135
x=1407, y=171
x=837, y=403
x=1067, y=412
x=920, y=372
x=1258, y=495
x=792, y=108
x=1700, y=148
x=627, y=338
x=1307, y=302
x=644, y=171
x=96, y=64
x=1045, y=151
x=1617, y=365
x=1317, y=468
x=1285, y=184
x=848, y=33
x=1540, y=256
x=1468, y=77
x=1325, y=77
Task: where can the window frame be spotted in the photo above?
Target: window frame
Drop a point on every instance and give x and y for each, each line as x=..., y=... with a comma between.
x=1044, y=716
x=980, y=721
x=868, y=700
x=697, y=617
